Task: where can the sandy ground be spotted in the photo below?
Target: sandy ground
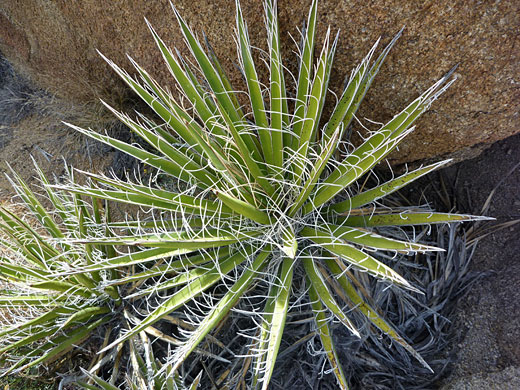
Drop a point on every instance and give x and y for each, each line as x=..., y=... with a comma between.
x=488, y=319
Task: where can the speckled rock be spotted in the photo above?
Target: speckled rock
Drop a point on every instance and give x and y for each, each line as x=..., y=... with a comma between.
x=54, y=43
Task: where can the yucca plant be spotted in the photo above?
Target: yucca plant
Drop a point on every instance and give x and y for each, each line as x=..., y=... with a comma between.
x=45, y=312
x=246, y=191
x=147, y=372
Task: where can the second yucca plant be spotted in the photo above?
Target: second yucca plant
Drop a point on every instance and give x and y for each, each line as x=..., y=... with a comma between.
x=260, y=187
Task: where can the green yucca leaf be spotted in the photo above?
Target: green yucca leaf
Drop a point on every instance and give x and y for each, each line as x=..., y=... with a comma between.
x=253, y=84
x=180, y=121
x=354, y=256
x=367, y=81
x=161, y=93
x=405, y=218
x=316, y=98
x=317, y=169
x=184, y=82
x=63, y=344
x=371, y=240
x=139, y=257
x=277, y=88
x=30, y=300
x=211, y=75
x=149, y=197
x=174, y=240
x=317, y=282
x=64, y=287
x=161, y=108
x=323, y=329
x=193, y=223
x=186, y=168
x=45, y=318
x=348, y=289
x=223, y=77
x=244, y=208
x=54, y=311
x=277, y=320
x=146, y=157
x=222, y=95
x=13, y=245
x=104, y=385
x=86, y=313
x=253, y=167
x=346, y=107
x=174, y=266
x=304, y=76
x=383, y=190
x=178, y=299
x=15, y=273
x=56, y=200
x=222, y=267
x=222, y=308
x=34, y=336
x=210, y=102
x=290, y=242
x=378, y=145
x=35, y=206
x=26, y=239
x=264, y=334
x=148, y=368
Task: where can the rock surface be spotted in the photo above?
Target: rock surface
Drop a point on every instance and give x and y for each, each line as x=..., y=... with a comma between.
x=54, y=43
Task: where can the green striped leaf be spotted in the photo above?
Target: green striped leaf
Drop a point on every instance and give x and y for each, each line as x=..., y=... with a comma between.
x=313, y=108
x=383, y=190
x=277, y=320
x=371, y=240
x=140, y=154
x=218, y=87
x=244, y=208
x=377, y=146
x=253, y=85
x=317, y=169
x=186, y=84
x=372, y=315
x=355, y=257
x=304, y=76
x=367, y=80
x=86, y=314
x=216, y=269
x=15, y=273
x=127, y=192
x=186, y=167
x=133, y=258
x=222, y=307
x=210, y=238
x=174, y=302
x=406, y=218
x=63, y=344
x=289, y=241
x=37, y=209
x=323, y=330
x=42, y=320
x=252, y=166
x=316, y=279
x=277, y=88
x=346, y=106
x=64, y=287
